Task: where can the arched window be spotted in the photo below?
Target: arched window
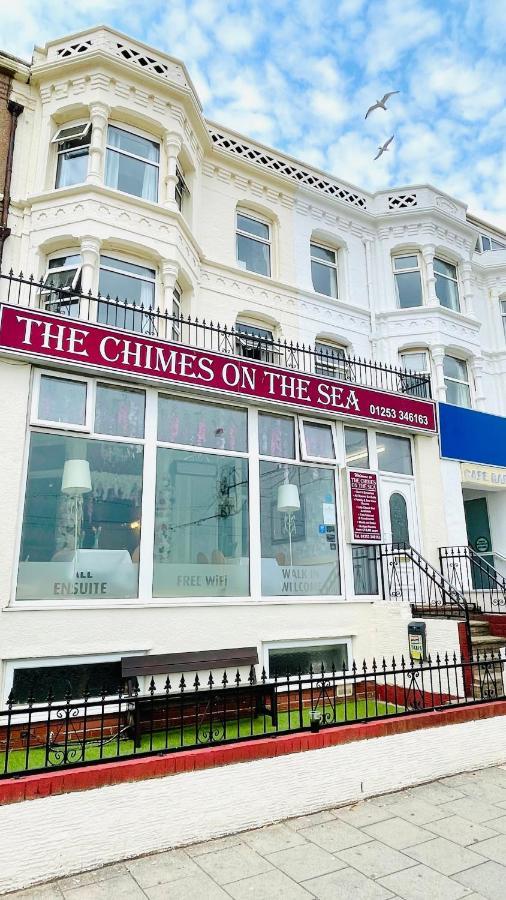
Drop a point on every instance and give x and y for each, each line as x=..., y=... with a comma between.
x=398, y=519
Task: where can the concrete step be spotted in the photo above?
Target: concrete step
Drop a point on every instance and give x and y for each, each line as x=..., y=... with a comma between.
x=483, y=641
x=479, y=627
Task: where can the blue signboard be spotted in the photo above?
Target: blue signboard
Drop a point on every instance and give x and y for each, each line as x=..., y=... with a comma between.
x=472, y=436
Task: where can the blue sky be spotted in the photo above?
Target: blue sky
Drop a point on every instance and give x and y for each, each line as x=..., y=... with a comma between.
x=300, y=74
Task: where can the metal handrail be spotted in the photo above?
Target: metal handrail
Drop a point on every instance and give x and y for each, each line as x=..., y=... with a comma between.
x=407, y=576
x=473, y=575
x=209, y=335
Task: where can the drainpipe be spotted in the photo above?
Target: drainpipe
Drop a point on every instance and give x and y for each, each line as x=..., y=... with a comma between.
x=15, y=110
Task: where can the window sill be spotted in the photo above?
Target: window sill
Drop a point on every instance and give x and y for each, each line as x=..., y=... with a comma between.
x=184, y=603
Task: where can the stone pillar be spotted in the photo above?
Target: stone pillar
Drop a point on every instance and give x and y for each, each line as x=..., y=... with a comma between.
x=476, y=366
x=99, y=115
x=173, y=144
x=438, y=354
x=169, y=276
x=90, y=259
x=428, y=258
x=466, y=301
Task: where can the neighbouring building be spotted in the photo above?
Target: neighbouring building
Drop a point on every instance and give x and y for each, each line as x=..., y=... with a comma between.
x=220, y=373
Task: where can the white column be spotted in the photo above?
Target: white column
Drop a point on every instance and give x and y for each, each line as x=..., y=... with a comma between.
x=476, y=366
x=428, y=258
x=169, y=276
x=90, y=258
x=99, y=115
x=438, y=354
x=467, y=284
x=173, y=144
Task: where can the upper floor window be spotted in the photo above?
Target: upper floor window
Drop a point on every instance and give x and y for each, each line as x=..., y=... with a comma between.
x=132, y=284
x=60, y=292
x=503, y=315
x=447, y=285
x=253, y=342
x=181, y=189
x=73, y=143
x=324, y=270
x=132, y=163
x=253, y=244
x=456, y=377
x=416, y=379
x=331, y=361
x=484, y=243
x=408, y=280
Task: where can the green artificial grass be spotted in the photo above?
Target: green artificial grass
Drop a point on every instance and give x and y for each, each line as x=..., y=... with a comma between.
x=175, y=738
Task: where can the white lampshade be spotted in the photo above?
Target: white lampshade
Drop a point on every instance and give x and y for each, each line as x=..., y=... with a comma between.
x=76, y=477
x=288, y=498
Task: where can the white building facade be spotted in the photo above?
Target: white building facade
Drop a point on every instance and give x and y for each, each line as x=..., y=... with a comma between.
x=174, y=485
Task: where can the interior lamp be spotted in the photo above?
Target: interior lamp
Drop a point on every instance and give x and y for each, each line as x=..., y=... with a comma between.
x=76, y=481
x=288, y=502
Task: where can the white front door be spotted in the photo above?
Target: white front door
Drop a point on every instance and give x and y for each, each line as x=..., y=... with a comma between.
x=399, y=519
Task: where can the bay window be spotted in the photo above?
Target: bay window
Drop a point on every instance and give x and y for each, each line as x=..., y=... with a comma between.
x=456, y=379
x=73, y=143
x=254, y=343
x=416, y=364
x=62, y=283
x=330, y=361
x=408, y=280
x=447, y=285
x=132, y=163
x=134, y=287
x=503, y=315
x=253, y=244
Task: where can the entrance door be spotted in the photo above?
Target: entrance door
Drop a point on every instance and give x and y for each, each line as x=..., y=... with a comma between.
x=478, y=535
x=398, y=509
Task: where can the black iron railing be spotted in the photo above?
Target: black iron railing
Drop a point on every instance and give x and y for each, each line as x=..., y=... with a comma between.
x=407, y=576
x=201, y=334
x=36, y=736
x=474, y=577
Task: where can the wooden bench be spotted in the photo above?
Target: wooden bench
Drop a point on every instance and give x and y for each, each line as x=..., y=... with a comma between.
x=202, y=705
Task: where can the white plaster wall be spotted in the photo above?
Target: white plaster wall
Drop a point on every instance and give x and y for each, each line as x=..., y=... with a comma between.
x=453, y=502
x=56, y=836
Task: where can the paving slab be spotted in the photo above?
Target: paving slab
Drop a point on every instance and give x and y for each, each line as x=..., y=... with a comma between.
x=312, y=819
x=269, y=886
x=493, y=848
x=417, y=811
x=435, y=793
x=375, y=859
x=273, y=837
x=44, y=892
x=422, y=883
x=310, y=863
x=445, y=856
x=488, y=879
x=233, y=863
x=473, y=785
x=398, y=833
x=335, y=835
x=231, y=840
x=366, y=813
x=193, y=887
x=161, y=868
x=462, y=831
x=124, y=887
x=347, y=884
x=74, y=881
x=473, y=809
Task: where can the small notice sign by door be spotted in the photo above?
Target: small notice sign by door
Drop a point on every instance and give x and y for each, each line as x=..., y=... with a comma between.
x=364, y=507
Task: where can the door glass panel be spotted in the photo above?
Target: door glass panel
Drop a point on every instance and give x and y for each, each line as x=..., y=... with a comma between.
x=399, y=519
x=365, y=571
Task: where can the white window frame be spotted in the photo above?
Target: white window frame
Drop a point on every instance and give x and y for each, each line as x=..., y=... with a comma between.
x=418, y=351
x=502, y=301
x=147, y=137
x=332, y=366
x=75, y=285
x=304, y=642
x=323, y=262
x=59, y=137
x=181, y=188
x=38, y=374
x=307, y=420
x=468, y=383
x=253, y=237
x=129, y=304
x=36, y=662
x=491, y=240
x=246, y=339
x=368, y=431
x=417, y=268
x=455, y=281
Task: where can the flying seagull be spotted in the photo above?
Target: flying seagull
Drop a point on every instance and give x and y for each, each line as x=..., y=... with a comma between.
x=384, y=147
x=381, y=104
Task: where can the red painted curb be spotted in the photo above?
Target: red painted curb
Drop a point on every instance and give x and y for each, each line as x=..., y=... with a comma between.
x=30, y=787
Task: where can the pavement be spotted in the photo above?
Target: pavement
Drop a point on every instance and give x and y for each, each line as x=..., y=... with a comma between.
x=438, y=841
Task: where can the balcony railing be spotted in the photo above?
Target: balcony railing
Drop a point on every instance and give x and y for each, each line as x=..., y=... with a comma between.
x=209, y=335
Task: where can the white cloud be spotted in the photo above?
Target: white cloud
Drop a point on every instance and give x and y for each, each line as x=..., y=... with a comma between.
x=396, y=27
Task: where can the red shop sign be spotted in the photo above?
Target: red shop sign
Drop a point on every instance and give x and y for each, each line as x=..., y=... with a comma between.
x=44, y=336
x=364, y=505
